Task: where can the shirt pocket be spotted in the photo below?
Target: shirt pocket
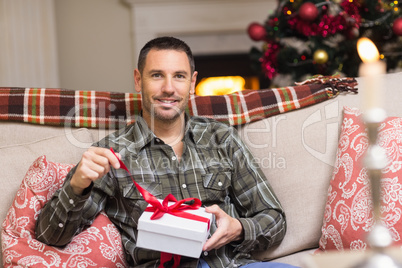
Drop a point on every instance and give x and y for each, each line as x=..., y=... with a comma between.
x=133, y=201
x=216, y=185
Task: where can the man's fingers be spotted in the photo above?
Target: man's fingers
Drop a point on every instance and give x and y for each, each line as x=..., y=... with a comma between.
x=229, y=229
x=98, y=164
x=90, y=172
x=214, y=209
x=111, y=159
x=94, y=164
x=213, y=241
x=115, y=162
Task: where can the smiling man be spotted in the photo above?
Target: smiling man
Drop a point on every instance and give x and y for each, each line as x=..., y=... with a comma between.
x=169, y=152
x=165, y=78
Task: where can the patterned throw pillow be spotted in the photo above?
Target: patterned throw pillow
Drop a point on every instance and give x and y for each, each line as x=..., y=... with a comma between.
x=97, y=246
x=348, y=214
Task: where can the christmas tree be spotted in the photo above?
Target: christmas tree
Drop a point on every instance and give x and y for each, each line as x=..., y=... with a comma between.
x=303, y=38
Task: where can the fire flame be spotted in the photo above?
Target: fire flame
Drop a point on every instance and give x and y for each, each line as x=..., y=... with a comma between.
x=220, y=85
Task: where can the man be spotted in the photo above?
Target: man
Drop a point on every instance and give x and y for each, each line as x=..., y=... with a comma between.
x=169, y=152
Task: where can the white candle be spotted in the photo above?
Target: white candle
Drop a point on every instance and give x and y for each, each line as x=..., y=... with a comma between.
x=371, y=71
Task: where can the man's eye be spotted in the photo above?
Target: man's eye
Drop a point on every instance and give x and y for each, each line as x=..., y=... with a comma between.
x=156, y=75
x=180, y=76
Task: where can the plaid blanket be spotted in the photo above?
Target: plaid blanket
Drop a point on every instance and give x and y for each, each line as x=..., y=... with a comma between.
x=95, y=109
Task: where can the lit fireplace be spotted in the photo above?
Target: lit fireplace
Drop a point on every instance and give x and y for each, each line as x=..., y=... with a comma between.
x=220, y=74
x=220, y=85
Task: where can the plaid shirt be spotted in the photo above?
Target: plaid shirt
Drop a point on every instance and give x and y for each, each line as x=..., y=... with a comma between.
x=215, y=167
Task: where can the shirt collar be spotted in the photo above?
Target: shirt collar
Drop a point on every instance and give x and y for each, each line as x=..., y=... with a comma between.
x=143, y=135
x=196, y=130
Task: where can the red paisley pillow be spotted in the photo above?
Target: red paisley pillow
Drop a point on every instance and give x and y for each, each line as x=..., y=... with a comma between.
x=97, y=246
x=348, y=217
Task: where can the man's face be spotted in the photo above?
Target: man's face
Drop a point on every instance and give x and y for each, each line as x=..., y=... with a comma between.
x=166, y=84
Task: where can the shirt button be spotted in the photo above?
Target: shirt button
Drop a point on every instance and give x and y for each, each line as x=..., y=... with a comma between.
x=220, y=183
x=205, y=253
x=71, y=201
x=158, y=140
x=61, y=225
x=174, y=158
x=184, y=186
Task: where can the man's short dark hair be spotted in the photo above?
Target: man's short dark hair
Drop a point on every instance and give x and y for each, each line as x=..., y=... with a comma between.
x=166, y=42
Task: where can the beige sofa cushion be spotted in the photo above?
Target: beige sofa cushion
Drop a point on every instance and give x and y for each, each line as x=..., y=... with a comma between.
x=59, y=145
x=17, y=133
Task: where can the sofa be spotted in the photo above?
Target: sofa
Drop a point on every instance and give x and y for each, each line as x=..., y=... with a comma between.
x=296, y=151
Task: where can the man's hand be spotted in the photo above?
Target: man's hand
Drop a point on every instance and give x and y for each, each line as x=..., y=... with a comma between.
x=95, y=163
x=229, y=229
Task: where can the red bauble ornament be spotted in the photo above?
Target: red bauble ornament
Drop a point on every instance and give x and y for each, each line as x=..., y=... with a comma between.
x=352, y=33
x=256, y=31
x=308, y=11
x=397, y=27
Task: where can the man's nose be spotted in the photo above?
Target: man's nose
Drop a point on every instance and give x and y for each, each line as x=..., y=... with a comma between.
x=168, y=86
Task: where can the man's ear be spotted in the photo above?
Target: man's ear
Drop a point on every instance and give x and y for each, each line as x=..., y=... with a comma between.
x=193, y=80
x=137, y=80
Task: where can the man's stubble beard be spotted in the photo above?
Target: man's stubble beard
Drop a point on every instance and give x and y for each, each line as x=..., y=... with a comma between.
x=153, y=110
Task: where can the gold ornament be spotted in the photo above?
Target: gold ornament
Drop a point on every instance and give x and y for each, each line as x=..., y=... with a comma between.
x=320, y=56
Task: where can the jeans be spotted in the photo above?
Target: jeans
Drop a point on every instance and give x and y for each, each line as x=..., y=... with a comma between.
x=203, y=264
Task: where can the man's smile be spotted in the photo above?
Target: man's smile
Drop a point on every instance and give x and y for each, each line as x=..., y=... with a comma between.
x=167, y=101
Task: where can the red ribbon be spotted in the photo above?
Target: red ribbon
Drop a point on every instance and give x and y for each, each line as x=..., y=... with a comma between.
x=177, y=209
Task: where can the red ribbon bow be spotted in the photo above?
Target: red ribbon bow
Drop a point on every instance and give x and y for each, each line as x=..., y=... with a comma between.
x=159, y=209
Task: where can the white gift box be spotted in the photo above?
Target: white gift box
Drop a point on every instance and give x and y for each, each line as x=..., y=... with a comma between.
x=173, y=234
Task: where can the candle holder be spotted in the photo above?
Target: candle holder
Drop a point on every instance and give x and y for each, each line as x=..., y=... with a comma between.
x=375, y=161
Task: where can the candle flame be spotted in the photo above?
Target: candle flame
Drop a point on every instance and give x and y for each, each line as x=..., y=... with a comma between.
x=368, y=52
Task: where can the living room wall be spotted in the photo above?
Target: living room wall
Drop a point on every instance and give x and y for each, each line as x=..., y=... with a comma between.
x=94, y=45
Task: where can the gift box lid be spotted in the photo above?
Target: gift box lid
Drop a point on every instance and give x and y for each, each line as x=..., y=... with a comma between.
x=176, y=226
